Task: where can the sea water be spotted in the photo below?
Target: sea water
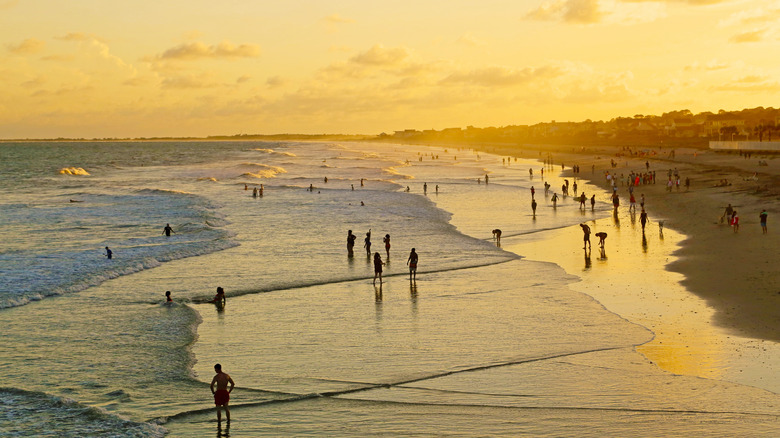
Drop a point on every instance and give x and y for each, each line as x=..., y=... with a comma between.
x=483, y=343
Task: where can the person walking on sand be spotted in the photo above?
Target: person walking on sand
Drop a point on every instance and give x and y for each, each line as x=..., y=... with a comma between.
x=109, y=253
x=582, y=200
x=727, y=214
x=555, y=200
x=222, y=392
x=350, y=243
x=735, y=221
x=593, y=202
x=533, y=206
x=168, y=230
x=533, y=192
x=412, y=262
x=586, y=236
x=378, y=267
x=386, y=240
x=643, y=219
x=425, y=188
x=367, y=243
x=762, y=217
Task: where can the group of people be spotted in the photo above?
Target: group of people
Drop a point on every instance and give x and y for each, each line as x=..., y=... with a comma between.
x=377, y=260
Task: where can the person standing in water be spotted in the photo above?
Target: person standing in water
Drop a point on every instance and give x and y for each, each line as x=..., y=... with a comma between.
x=109, y=253
x=412, y=262
x=386, y=240
x=593, y=202
x=497, y=236
x=168, y=230
x=367, y=243
x=378, y=267
x=222, y=392
x=555, y=199
x=533, y=206
x=425, y=188
x=586, y=236
x=350, y=243
x=219, y=298
x=168, y=298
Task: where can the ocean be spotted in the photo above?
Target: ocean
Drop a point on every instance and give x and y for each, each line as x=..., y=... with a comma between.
x=492, y=339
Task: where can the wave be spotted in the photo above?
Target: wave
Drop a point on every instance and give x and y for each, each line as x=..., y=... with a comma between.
x=260, y=170
x=32, y=413
x=73, y=171
x=300, y=285
x=273, y=152
x=207, y=178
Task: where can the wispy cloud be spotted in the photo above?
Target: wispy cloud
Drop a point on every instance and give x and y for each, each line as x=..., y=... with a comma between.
x=199, y=50
x=337, y=19
x=570, y=11
x=8, y=4
x=501, y=76
x=748, y=37
x=27, y=47
x=381, y=56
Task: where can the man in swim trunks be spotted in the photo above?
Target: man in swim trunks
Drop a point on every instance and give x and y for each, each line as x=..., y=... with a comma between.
x=222, y=393
x=168, y=230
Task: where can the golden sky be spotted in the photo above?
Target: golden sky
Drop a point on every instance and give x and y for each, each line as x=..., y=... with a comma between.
x=104, y=68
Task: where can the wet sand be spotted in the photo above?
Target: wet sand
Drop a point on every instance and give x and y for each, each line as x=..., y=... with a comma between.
x=733, y=272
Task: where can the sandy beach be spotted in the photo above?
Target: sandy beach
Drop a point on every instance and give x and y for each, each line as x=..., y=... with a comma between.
x=732, y=273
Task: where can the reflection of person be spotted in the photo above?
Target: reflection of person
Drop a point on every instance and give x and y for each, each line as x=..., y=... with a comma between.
x=412, y=262
x=378, y=267
x=586, y=236
x=109, y=253
x=222, y=392
x=168, y=230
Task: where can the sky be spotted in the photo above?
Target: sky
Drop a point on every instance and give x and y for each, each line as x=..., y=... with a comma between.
x=101, y=68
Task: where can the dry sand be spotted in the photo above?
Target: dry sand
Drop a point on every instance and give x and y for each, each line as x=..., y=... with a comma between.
x=734, y=272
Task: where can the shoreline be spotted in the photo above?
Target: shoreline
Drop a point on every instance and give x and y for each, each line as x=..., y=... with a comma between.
x=732, y=272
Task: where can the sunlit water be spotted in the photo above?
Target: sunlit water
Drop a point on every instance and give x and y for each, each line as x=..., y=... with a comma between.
x=485, y=342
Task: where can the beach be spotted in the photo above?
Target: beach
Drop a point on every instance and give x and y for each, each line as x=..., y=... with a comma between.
x=535, y=336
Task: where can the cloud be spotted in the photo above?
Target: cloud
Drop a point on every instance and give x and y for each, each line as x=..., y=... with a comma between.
x=337, y=19
x=623, y=12
x=381, y=56
x=27, y=47
x=198, y=50
x=190, y=82
x=711, y=65
x=570, y=11
x=501, y=76
x=689, y=2
x=243, y=79
x=468, y=39
x=750, y=84
x=748, y=37
x=766, y=14
x=8, y=4
x=275, y=82
x=79, y=37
